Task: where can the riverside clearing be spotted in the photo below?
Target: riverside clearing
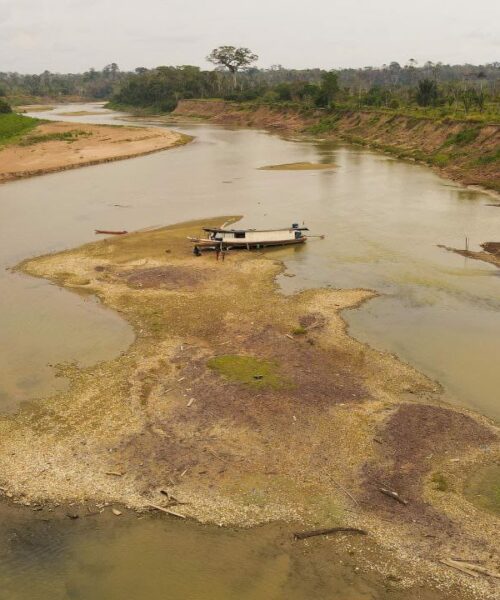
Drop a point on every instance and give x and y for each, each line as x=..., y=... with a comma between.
x=220, y=402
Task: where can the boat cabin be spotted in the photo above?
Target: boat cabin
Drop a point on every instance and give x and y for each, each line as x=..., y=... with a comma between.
x=257, y=237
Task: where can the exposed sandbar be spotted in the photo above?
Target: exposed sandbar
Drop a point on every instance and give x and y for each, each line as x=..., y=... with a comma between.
x=249, y=406
x=58, y=146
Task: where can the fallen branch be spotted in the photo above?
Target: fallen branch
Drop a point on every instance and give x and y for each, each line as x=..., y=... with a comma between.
x=109, y=232
x=217, y=456
x=393, y=495
x=166, y=510
x=458, y=566
x=302, y=535
x=469, y=567
x=340, y=487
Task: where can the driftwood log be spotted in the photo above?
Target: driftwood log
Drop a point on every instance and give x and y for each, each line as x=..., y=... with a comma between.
x=469, y=568
x=393, y=495
x=167, y=511
x=302, y=535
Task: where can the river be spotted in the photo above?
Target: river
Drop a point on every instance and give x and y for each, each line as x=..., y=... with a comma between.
x=382, y=220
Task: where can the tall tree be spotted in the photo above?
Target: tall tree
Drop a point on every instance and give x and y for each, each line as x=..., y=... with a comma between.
x=329, y=86
x=232, y=58
x=427, y=92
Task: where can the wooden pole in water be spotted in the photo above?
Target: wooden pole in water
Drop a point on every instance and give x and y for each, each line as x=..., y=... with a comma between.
x=466, y=244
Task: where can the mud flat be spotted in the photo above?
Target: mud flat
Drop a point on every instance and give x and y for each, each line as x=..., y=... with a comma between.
x=238, y=405
x=58, y=146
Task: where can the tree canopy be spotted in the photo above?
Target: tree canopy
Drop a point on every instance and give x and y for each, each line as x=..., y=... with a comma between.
x=232, y=58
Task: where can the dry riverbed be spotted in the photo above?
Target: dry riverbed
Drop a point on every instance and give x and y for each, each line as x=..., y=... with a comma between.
x=59, y=146
x=237, y=405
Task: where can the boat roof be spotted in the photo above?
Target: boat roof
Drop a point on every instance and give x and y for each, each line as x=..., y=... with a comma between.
x=220, y=230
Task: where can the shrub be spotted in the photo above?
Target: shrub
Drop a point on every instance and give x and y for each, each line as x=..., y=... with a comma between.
x=466, y=136
x=4, y=107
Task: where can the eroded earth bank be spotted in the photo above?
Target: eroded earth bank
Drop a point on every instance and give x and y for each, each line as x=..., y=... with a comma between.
x=238, y=405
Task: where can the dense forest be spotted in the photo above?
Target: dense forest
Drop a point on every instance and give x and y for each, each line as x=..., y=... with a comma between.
x=92, y=85
x=432, y=87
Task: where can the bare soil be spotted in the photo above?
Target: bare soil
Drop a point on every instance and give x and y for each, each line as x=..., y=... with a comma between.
x=166, y=277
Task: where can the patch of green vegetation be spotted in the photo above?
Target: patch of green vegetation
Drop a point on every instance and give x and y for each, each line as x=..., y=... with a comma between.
x=488, y=159
x=418, y=155
x=483, y=488
x=412, y=122
x=60, y=136
x=440, y=482
x=299, y=330
x=440, y=159
x=4, y=107
x=462, y=138
x=249, y=370
x=13, y=126
x=325, y=125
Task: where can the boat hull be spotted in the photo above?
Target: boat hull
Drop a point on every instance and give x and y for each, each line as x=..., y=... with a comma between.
x=207, y=244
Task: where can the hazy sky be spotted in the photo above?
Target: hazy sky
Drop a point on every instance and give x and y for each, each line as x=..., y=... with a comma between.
x=73, y=35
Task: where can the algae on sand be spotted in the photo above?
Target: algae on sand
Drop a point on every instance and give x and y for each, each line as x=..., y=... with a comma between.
x=248, y=370
x=483, y=488
x=299, y=166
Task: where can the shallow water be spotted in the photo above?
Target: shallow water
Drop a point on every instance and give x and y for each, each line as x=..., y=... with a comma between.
x=382, y=219
x=108, y=558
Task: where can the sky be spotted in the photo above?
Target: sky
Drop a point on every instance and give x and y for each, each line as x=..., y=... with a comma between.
x=74, y=35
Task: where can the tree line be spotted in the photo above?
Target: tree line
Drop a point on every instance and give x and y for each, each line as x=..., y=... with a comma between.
x=449, y=88
x=93, y=84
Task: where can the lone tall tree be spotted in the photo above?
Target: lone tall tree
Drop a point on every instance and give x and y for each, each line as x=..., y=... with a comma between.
x=232, y=58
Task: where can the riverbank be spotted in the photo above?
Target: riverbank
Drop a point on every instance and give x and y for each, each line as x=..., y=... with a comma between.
x=57, y=146
x=465, y=151
x=239, y=405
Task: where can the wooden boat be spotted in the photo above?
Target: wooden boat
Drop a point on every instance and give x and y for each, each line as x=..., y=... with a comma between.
x=249, y=238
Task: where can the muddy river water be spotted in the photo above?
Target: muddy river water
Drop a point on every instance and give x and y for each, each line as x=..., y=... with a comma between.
x=382, y=219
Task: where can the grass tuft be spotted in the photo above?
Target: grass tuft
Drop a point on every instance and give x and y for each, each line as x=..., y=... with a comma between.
x=60, y=136
x=249, y=370
x=440, y=482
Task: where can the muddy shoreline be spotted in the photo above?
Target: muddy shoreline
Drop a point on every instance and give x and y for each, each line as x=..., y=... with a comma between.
x=311, y=441
x=489, y=254
x=59, y=146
